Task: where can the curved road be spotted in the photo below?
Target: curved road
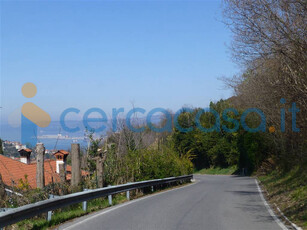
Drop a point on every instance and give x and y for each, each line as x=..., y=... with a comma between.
x=212, y=202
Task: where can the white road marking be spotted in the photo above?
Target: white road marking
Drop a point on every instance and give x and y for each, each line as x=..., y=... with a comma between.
x=277, y=220
x=293, y=224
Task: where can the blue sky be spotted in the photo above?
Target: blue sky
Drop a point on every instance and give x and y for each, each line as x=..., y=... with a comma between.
x=112, y=54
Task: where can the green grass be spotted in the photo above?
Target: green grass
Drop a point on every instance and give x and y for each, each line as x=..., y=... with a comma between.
x=218, y=171
x=289, y=192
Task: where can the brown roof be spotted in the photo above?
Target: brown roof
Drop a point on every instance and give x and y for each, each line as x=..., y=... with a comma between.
x=12, y=171
x=61, y=151
x=27, y=150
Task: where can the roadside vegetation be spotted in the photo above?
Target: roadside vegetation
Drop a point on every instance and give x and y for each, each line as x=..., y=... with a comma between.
x=287, y=190
x=218, y=171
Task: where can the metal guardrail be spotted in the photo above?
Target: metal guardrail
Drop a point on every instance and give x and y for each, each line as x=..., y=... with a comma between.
x=31, y=210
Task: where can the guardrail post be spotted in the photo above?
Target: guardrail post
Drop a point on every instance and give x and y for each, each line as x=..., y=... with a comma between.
x=84, y=203
x=128, y=193
x=110, y=197
x=49, y=213
x=152, y=188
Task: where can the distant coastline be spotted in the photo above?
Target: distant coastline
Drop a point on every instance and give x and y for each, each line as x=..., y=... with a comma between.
x=52, y=136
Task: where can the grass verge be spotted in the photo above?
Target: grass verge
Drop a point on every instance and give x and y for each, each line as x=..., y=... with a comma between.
x=218, y=171
x=289, y=192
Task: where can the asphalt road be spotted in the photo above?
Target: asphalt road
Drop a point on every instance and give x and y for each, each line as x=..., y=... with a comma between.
x=211, y=203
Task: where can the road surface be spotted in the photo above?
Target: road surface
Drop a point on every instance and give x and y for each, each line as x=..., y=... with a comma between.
x=211, y=203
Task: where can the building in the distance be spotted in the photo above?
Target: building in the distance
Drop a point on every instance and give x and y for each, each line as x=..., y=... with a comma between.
x=14, y=172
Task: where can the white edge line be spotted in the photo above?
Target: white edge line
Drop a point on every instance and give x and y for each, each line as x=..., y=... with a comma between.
x=293, y=224
x=277, y=220
x=122, y=205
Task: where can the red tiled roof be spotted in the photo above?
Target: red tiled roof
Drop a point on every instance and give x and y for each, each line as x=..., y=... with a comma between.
x=12, y=171
x=62, y=151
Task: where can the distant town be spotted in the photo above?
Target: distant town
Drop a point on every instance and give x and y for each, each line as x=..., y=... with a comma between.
x=11, y=148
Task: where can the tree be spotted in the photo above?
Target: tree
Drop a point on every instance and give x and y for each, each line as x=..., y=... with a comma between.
x=270, y=43
x=1, y=147
x=216, y=148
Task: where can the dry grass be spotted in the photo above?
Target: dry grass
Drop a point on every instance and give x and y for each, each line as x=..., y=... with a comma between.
x=288, y=190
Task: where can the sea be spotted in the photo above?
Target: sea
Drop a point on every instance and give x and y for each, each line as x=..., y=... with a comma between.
x=55, y=137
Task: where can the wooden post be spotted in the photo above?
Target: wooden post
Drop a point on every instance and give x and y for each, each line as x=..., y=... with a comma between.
x=75, y=164
x=40, y=176
x=99, y=168
x=62, y=173
x=2, y=192
x=100, y=159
